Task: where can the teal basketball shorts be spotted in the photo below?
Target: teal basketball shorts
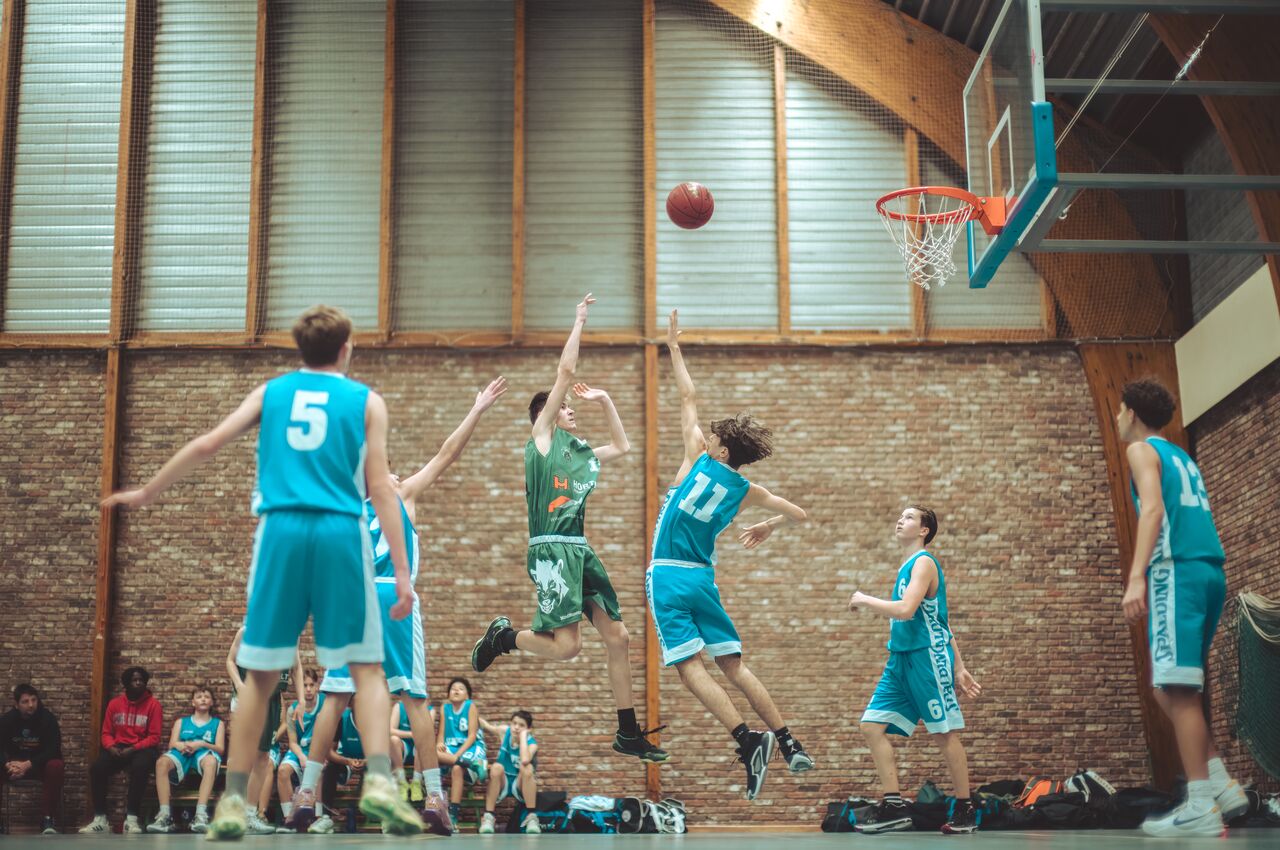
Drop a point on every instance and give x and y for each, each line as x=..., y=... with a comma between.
x=917, y=685
x=1184, y=604
x=318, y=565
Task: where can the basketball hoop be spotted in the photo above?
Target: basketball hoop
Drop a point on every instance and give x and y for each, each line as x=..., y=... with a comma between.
x=926, y=221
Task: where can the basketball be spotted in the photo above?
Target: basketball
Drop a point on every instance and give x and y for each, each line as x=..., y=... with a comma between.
x=689, y=205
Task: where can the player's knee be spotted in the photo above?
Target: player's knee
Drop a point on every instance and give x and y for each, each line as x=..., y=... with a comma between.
x=617, y=636
x=208, y=762
x=731, y=665
x=568, y=646
x=872, y=731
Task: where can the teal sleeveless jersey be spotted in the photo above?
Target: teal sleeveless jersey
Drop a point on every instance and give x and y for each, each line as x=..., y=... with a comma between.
x=928, y=627
x=509, y=752
x=192, y=731
x=403, y=723
x=382, y=566
x=349, y=743
x=1187, y=532
x=308, y=721
x=695, y=512
x=311, y=444
x=456, y=729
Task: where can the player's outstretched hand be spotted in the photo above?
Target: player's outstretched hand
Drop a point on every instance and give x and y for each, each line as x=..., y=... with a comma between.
x=404, y=599
x=127, y=499
x=673, y=328
x=583, y=305
x=486, y=397
x=967, y=685
x=753, y=535
x=586, y=393
x=1135, y=599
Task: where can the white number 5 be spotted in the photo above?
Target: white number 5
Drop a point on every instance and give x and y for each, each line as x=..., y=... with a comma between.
x=308, y=409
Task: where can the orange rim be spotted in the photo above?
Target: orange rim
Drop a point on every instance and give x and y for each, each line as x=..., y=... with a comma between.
x=974, y=202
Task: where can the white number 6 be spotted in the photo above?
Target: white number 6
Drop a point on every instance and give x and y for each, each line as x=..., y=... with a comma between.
x=935, y=708
x=307, y=409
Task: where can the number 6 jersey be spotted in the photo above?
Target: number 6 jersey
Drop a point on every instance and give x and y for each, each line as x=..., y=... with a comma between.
x=695, y=512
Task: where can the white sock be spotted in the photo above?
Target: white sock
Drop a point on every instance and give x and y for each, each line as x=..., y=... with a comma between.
x=251, y=812
x=311, y=774
x=1200, y=794
x=286, y=808
x=130, y=818
x=1218, y=773
x=432, y=780
x=202, y=811
x=164, y=812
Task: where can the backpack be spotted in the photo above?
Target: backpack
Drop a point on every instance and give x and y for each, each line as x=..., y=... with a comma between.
x=552, y=812
x=1035, y=788
x=843, y=814
x=667, y=816
x=1090, y=784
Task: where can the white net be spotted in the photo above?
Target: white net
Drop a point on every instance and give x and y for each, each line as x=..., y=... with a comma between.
x=925, y=227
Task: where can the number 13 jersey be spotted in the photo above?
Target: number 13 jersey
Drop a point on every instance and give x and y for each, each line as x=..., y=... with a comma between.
x=695, y=512
x=311, y=444
x=1187, y=532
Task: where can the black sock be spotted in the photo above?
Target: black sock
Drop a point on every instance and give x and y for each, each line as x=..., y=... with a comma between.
x=627, y=723
x=740, y=733
x=507, y=639
x=784, y=739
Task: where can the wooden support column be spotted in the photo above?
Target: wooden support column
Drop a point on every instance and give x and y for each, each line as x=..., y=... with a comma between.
x=10, y=70
x=1241, y=48
x=1108, y=368
x=652, y=652
x=919, y=310
x=517, y=180
x=259, y=181
x=386, y=223
x=100, y=687
x=780, y=176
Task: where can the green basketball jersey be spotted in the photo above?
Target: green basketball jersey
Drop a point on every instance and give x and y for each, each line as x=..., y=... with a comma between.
x=556, y=486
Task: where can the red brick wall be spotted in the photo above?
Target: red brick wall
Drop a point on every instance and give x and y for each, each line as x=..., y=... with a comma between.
x=1235, y=446
x=1001, y=441
x=51, y=418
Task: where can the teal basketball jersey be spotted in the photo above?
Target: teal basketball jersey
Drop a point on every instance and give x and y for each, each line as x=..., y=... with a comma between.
x=403, y=723
x=695, y=512
x=928, y=627
x=311, y=444
x=192, y=731
x=349, y=743
x=456, y=729
x=509, y=752
x=382, y=566
x=1187, y=532
x=308, y=725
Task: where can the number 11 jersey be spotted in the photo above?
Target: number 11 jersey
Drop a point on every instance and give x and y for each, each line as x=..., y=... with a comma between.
x=695, y=512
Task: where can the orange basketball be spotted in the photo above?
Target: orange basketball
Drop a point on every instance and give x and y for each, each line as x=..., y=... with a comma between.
x=689, y=205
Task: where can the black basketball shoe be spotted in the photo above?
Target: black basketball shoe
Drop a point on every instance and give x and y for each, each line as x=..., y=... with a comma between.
x=886, y=817
x=640, y=746
x=755, y=751
x=963, y=819
x=487, y=648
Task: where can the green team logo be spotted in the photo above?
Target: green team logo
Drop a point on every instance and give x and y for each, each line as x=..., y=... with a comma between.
x=549, y=577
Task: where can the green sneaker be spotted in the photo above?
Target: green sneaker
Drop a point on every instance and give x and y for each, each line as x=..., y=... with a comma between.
x=230, y=820
x=380, y=799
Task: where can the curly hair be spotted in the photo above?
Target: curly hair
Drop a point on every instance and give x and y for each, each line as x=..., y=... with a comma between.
x=746, y=439
x=1149, y=401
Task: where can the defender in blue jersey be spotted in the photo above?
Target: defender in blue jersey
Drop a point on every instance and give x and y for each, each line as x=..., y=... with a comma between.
x=322, y=449
x=680, y=584
x=1176, y=582
x=404, y=646
x=195, y=744
x=514, y=773
x=922, y=680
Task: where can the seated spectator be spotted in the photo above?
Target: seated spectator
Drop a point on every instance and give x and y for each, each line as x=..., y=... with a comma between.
x=130, y=742
x=196, y=743
x=460, y=743
x=514, y=773
x=299, y=726
x=32, y=748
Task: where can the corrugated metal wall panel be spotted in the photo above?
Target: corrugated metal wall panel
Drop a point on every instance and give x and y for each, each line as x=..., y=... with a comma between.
x=64, y=176
x=326, y=158
x=195, y=218
x=714, y=125
x=584, y=163
x=1011, y=300
x=842, y=154
x=454, y=114
x=1217, y=216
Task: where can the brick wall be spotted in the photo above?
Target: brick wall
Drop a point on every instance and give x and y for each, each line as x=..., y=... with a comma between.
x=1235, y=450
x=1001, y=441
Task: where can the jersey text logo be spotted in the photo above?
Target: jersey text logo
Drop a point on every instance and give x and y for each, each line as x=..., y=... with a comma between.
x=559, y=483
x=558, y=502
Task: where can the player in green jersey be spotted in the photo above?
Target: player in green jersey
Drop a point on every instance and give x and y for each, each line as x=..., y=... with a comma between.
x=560, y=473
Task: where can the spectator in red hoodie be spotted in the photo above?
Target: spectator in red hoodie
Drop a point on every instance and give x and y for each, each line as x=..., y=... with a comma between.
x=131, y=742
x=31, y=748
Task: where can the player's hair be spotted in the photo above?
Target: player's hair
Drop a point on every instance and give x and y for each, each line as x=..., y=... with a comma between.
x=928, y=519
x=1149, y=401
x=536, y=404
x=523, y=715
x=24, y=689
x=464, y=682
x=128, y=674
x=311, y=673
x=746, y=439
x=320, y=333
